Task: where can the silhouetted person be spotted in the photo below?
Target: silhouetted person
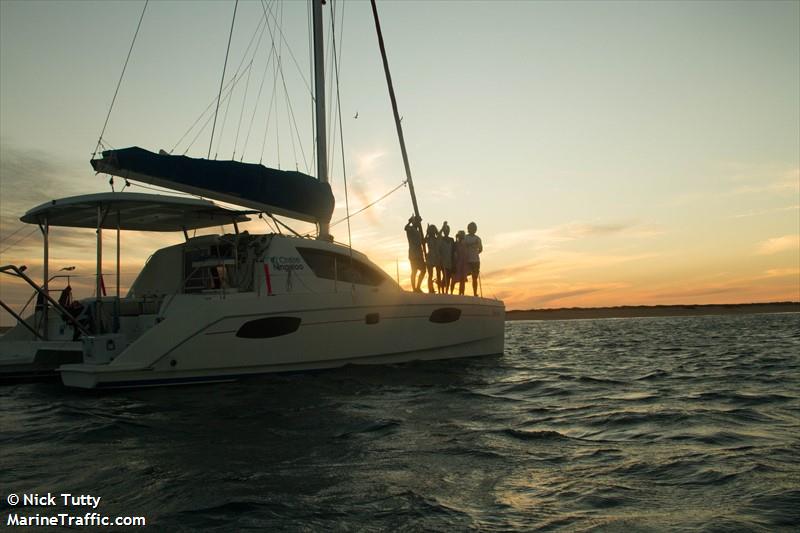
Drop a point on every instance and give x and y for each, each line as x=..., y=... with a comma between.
x=415, y=256
x=433, y=262
x=459, y=263
x=474, y=248
x=446, y=243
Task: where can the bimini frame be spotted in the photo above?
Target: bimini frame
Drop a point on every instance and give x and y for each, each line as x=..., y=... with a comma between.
x=134, y=212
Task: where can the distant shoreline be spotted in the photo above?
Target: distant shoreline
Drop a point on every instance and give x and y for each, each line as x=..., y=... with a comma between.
x=643, y=311
x=640, y=311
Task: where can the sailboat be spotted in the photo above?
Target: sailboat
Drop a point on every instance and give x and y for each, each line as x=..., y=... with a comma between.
x=217, y=308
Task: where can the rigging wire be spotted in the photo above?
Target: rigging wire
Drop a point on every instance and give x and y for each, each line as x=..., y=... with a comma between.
x=331, y=122
x=119, y=83
x=371, y=204
x=197, y=136
x=341, y=133
x=22, y=238
x=275, y=94
x=233, y=81
x=296, y=129
x=290, y=109
x=230, y=36
x=269, y=115
x=283, y=40
x=289, y=118
x=339, y=58
x=272, y=103
x=275, y=219
x=246, y=87
x=269, y=226
x=222, y=128
x=402, y=184
x=170, y=191
x=14, y=233
x=332, y=118
x=258, y=98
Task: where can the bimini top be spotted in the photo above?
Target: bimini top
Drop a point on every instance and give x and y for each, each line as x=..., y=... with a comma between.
x=133, y=211
x=279, y=192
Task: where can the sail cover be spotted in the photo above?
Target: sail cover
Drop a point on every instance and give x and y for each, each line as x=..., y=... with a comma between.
x=280, y=192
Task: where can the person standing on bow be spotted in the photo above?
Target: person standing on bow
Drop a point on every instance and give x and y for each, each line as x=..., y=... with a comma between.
x=459, y=263
x=446, y=243
x=415, y=254
x=434, y=268
x=474, y=248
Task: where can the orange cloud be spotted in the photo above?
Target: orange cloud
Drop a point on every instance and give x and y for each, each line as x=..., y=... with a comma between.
x=779, y=244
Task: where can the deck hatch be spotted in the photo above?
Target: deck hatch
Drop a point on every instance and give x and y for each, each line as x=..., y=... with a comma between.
x=445, y=314
x=264, y=328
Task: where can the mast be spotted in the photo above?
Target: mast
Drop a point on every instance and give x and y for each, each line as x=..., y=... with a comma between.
x=319, y=97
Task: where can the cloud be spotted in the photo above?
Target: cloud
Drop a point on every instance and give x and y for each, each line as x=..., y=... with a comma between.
x=767, y=211
x=573, y=231
x=441, y=192
x=579, y=230
x=788, y=182
x=28, y=177
x=778, y=183
x=560, y=295
x=554, y=265
x=782, y=272
x=775, y=187
x=702, y=291
x=778, y=244
x=557, y=294
x=514, y=270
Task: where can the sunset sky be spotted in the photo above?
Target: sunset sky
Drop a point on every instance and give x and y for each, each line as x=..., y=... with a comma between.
x=611, y=153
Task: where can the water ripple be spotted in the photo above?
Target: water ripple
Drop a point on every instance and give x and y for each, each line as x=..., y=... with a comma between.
x=638, y=424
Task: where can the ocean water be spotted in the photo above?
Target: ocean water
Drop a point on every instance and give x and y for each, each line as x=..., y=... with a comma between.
x=654, y=424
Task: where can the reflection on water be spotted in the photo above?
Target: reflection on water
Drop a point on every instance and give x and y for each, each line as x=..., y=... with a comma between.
x=638, y=423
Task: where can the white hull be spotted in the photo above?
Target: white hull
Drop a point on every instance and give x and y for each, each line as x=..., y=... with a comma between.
x=220, y=307
x=197, y=340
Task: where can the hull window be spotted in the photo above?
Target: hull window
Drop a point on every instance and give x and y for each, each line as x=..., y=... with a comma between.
x=372, y=318
x=445, y=315
x=264, y=328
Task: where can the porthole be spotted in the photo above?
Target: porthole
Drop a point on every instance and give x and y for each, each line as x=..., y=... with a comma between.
x=265, y=328
x=445, y=315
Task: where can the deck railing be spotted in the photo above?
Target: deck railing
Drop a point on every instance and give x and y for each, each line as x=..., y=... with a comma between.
x=18, y=272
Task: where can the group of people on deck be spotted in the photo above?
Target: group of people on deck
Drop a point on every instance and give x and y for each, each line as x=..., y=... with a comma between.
x=445, y=260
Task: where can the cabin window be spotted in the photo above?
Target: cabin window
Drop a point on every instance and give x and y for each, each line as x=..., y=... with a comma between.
x=265, y=328
x=340, y=267
x=209, y=269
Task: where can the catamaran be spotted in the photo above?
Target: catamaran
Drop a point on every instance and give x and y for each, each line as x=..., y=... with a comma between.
x=220, y=307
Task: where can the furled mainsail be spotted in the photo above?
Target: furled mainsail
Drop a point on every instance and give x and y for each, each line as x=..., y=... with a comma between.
x=280, y=192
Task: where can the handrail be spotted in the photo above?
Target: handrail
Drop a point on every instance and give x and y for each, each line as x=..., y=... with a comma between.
x=20, y=320
x=66, y=314
x=24, y=307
